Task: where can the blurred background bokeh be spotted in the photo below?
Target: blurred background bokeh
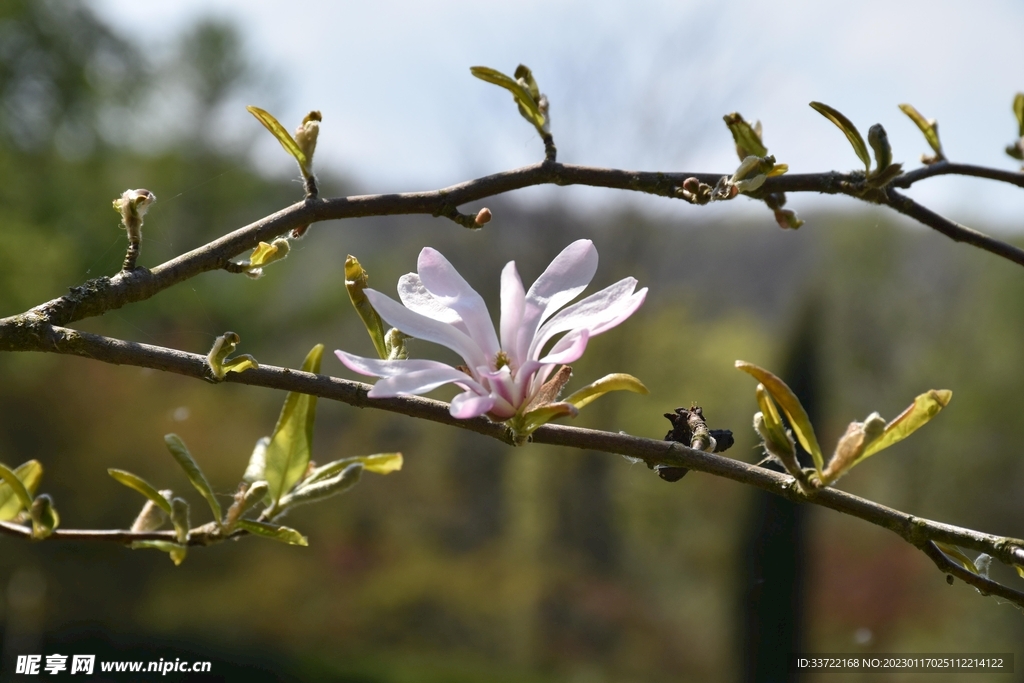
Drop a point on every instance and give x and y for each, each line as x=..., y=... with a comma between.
x=478, y=562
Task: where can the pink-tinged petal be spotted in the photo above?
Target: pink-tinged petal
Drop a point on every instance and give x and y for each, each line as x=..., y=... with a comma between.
x=513, y=299
x=561, y=282
x=420, y=382
x=614, y=303
x=469, y=405
x=421, y=327
x=415, y=297
x=501, y=384
x=376, y=367
x=450, y=289
x=566, y=350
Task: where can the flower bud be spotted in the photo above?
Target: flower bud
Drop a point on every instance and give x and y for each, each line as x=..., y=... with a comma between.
x=306, y=135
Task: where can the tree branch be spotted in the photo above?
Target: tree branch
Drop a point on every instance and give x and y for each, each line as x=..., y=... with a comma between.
x=100, y=295
x=915, y=530
x=947, y=168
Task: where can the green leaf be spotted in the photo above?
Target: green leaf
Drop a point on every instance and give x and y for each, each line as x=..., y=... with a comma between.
x=17, y=487
x=1018, y=111
x=278, y=533
x=142, y=486
x=195, y=475
x=928, y=128
x=619, y=381
x=288, y=453
x=378, y=463
x=959, y=556
x=774, y=429
x=791, y=406
x=257, y=462
x=308, y=492
x=748, y=141
x=29, y=474
x=879, y=141
x=282, y=135
x=528, y=107
x=1020, y=570
x=542, y=415
x=180, y=519
x=44, y=517
x=176, y=552
x=924, y=408
x=356, y=281
x=524, y=74
x=849, y=130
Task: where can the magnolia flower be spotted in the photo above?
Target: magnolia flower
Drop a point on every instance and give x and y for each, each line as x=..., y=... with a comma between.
x=505, y=372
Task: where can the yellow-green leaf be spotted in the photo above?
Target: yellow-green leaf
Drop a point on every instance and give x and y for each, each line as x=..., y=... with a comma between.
x=278, y=533
x=44, y=517
x=879, y=141
x=195, y=475
x=924, y=408
x=618, y=381
x=1018, y=111
x=142, y=486
x=288, y=453
x=927, y=128
x=29, y=474
x=849, y=130
x=528, y=107
x=356, y=281
x=776, y=431
x=791, y=406
x=959, y=556
x=544, y=414
x=176, y=552
x=282, y=135
x=17, y=487
x=748, y=142
x=180, y=519
x=523, y=72
x=378, y=463
x=1020, y=570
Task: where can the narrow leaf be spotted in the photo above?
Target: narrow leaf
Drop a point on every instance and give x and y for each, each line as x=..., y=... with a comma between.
x=849, y=130
x=288, y=453
x=879, y=141
x=195, y=475
x=180, y=519
x=282, y=135
x=379, y=463
x=176, y=552
x=924, y=408
x=958, y=555
x=30, y=474
x=142, y=486
x=318, y=490
x=528, y=106
x=927, y=128
x=775, y=430
x=748, y=141
x=356, y=281
x=1018, y=111
x=44, y=517
x=523, y=72
x=257, y=462
x=791, y=406
x=21, y=494
x=278, y=533
x=544, y=414
x=619, y=381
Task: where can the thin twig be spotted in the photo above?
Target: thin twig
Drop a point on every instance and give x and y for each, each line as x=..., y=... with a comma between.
x=100, y=295
x=948, y=168
x=915, y=530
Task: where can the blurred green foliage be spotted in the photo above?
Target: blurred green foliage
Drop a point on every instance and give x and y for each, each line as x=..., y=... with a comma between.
x=476, y=562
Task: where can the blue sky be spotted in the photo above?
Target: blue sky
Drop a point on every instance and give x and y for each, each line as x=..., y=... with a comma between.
x=641, y=85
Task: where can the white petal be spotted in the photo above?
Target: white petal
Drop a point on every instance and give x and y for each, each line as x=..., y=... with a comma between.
x=614, y=303
x=470, y=404
x=421, y=327
x=414, y=296
x=415, y=376
x=561, y=282
x=512, y=301
x=451, y=290
x=385, y=368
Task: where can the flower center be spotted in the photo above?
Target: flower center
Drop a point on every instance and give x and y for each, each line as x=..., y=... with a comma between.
x=501, y=360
